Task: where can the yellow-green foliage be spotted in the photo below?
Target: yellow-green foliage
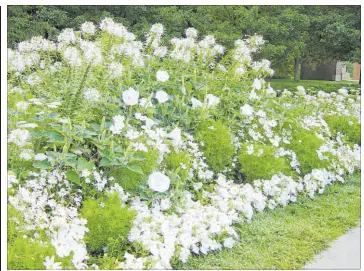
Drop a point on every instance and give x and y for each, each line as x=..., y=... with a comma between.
x=218, y=148
x=264, y=166
x=23, y=253
x=173, y=161
x=131, y=180
x=341, y=124
x=111, y=221
x=305, y=144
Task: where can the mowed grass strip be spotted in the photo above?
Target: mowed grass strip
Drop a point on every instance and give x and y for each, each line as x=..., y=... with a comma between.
x=287, y=238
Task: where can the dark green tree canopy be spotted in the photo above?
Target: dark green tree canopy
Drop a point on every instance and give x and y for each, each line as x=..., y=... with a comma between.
x=292, y=33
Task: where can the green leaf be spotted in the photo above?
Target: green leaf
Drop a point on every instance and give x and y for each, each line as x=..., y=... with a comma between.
x=82, y=163
x=104, y=162
x=53, y=136
x=73, y=177
x=136, y=168
x=138, y=157
x=42, y=164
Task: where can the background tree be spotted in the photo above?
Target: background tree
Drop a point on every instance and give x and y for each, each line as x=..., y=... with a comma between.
x=315, y=34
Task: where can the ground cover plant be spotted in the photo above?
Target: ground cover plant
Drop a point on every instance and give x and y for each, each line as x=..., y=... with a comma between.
x=139, y=155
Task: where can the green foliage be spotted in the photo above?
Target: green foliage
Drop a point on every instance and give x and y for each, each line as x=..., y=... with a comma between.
x=313, y=85
x=341, y=124
x=27, y=253
x=305, y=144
x=173, y=161
x=266, y=165
x=131, y=180
x=108, y=226
x=218, y=148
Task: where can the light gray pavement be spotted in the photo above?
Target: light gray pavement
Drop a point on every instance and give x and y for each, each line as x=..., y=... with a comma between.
x=344, y=253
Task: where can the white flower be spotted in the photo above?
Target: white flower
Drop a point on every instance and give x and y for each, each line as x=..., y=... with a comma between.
x=130, y=96
x=301, y=90
x=115, y=69
x=40, y=157
x=23, y=106
x=118, y=124
x=229, y=242
x=158, y=182
x=247, y=110
x=161, y=96
x=212, y=100
x=26, y=154
x=162, y=76
x=257, y=84
x=145, y=103
x=88, y=28
x=191, y=33
x=51, y=265
x=196, y=103
x=91, y=95
x=165, y=204
x=197, y=186
x=175, y=135
x=19, y=137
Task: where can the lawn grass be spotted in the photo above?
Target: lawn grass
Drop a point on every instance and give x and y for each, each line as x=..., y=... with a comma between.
x=287, y=238
x=315, y=85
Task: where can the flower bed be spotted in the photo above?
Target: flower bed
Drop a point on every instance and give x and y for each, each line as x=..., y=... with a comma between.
x=133, y=155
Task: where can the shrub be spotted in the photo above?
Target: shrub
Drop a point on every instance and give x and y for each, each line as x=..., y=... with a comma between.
x=264, y=166
x=305, y=144
x=27, y=253
x=110, y=221
x=131, y=180
x=341, y=124
x=174, y=160
x=218, y=148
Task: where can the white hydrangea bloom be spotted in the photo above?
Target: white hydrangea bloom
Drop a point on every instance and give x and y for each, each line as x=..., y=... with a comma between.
x=91, y=95
x=212, y=100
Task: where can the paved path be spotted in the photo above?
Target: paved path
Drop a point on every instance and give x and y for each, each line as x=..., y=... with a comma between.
x=344, y=253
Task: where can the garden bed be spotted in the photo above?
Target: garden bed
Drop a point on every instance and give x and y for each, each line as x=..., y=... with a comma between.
x=135, y=155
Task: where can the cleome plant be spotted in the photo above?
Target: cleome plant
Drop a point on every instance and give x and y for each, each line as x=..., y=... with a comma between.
x=138, y=154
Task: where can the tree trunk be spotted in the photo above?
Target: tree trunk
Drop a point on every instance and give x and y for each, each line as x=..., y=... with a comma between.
x=297, y=69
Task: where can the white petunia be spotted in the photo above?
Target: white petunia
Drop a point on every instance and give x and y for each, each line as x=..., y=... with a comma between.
x=161, y=96
x=212, y=100
x=247, y=110
x=158, y=182
x=40, y=157
x=196, y=103
x=130, y=96
x=257, y=84
x=162, y=76
x=175, y=135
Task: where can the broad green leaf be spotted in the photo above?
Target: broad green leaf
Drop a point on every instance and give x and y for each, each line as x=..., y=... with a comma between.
x=73, y=177
x=136, y=168
x=105, y=162
x=42, y=164
x=53, y=136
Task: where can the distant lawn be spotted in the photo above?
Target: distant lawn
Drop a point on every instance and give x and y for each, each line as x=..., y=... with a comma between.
x=316, y=85
x=287, y=238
